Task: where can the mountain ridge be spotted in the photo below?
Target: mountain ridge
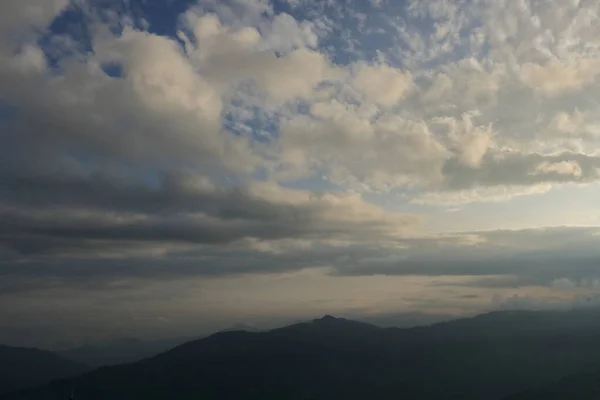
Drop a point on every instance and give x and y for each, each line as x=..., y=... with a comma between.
x=330, y=358
x=118, y=351
x=22, y=367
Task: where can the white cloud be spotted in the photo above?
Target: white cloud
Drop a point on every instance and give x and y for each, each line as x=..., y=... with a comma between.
x=578, y=124
x=382, y=84
x=20, y=21
x=561, y=168
x=556, y=78
x=566, y=123
x=230, y=55
x=462, y=86
x=354, y=151
x=23, y=14
x=284, y=34
x=296, y=75
x=161, y=75
x=31, y=59
x=470, y=142
x=474, y=147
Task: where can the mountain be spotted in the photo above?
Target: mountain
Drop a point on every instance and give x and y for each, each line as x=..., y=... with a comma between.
x=406, y=319
x=582, y=386
x=488, y=357
x=119, y=351
x=22, y=368
x=507, y=324
x=241, y=327
x=327, y=327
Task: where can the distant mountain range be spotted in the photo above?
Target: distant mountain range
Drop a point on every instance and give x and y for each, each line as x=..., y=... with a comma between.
x=503, y=355
x=22, y=367
x=241, y=327
x=119, y=351
x=128, y=350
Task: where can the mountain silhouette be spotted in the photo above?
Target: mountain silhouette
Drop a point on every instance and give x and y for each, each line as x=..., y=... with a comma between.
x=241, y=327
x=119, y=351
x=22, y=367
x=492, y=356
x=582, y=386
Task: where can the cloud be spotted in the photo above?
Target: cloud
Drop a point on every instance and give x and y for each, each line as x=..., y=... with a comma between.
x=356, y=150
x=470, y=142
x=185, y=209
x=560, y=168
x=146, y=157
x=556, y=78
x=464, y=85
x=20, y=23
x=498, y=193
x=474, y=147
x=382, y=84
x=519, y=258
x=29, y=13
x=89, y=250
x=563, y=284
x=242, y=141
x=231, y=54
x=285, y=34
x=233, y=49
x=513, y=168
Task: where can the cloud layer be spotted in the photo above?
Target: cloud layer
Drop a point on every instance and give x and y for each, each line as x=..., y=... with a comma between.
x=235, y=137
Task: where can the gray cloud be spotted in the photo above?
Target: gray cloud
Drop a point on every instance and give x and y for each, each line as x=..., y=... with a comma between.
x=176, y=209
x=520, y=170
x=502, y=259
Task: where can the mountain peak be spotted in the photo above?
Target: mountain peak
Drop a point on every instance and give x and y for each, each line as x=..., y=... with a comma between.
x=331, y=322
x=327, y=318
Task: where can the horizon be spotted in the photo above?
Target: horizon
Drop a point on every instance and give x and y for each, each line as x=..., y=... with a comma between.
x=401, y=321
x=169, y=167
x=398, y=321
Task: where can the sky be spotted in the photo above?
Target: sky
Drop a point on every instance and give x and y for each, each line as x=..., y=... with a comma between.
x=172, y=167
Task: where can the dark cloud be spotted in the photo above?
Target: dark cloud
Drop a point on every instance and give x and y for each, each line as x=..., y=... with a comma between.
x=502, y=259
x=97, y=209
x=498, y=264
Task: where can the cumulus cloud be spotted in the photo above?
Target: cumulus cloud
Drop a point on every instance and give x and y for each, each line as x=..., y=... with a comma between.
x=382, y=84
x=471, y=142
x=556, y=78
x=27, y=14
x=166, y=109
x=358, y=151
x=561, y=168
